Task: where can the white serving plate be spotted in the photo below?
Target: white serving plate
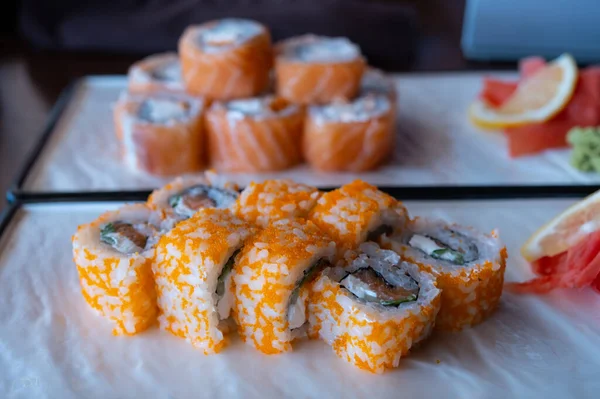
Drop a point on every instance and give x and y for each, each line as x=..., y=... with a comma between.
x=53, y=346
x=435, y=145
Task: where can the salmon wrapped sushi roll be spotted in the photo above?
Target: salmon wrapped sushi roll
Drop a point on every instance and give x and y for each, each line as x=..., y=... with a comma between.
x=468, y=265
x=272, y=279
x=355, y=213
x=161, y=134
x=226, y=59
x=355, y=136
x=159, y=73
x=273, y=200
x=254, y=135
x=183, y=197
x=114, y=257
x=375, y=310
x=193, y=270
x=317, y=70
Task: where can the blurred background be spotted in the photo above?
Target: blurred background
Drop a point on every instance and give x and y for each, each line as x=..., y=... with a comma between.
x=48, y=44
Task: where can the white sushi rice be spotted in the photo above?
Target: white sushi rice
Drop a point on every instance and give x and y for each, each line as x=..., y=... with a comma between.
x=163, y=111
x=319, y=49
x=163, y=69
x=226, y=34
x=487, y=246
x=362, y=109
x=256, y=108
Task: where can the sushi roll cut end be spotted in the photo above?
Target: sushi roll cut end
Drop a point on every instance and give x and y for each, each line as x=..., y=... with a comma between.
x=114, y=257
x=469, y=267
x=318, y=70
x=375, y=310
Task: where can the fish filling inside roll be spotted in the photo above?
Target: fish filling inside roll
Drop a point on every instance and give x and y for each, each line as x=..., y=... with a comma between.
x=225, y=298
x=190, y=200
x=448, y=245
x=370, y=286
x=163, y=110
x=170, y=72
x=296, y=310
x=128, y=238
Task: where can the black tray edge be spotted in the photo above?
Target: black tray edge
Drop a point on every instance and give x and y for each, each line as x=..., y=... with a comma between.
x=422, y=193
x=64, y=99
x=7, y=216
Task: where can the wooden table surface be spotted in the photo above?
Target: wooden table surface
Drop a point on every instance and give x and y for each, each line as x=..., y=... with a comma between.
x=31, y=81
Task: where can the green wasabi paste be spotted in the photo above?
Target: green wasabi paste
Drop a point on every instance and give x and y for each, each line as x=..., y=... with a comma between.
x=586, y=148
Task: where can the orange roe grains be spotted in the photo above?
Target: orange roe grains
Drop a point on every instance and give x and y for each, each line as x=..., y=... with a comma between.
x=269, y=269
x=351, y=212
x=189, y=261
x=371, y=337
x=272, y=200
x=118, y=286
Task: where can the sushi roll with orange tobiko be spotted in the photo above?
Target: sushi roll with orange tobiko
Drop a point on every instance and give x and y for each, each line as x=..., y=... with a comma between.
x=114, y=256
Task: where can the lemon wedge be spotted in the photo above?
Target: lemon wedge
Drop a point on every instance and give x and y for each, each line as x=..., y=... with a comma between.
x=537, y=99
x=565, y=230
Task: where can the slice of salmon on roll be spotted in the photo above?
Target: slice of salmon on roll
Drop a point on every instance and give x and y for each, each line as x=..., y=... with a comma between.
x=317, y=70
x=226, y=59
x=258, y=134
x=114, y=256
x=161, y=134
x=355, y=136
x=186, y=195
x=159, y=73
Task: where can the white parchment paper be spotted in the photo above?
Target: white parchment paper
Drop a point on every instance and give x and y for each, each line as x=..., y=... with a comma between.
x=435, y=145
x=53, y=346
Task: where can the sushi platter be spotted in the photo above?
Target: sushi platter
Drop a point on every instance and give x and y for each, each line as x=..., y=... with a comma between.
x=53, y=346
x=430, y=110
x=212, y=223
